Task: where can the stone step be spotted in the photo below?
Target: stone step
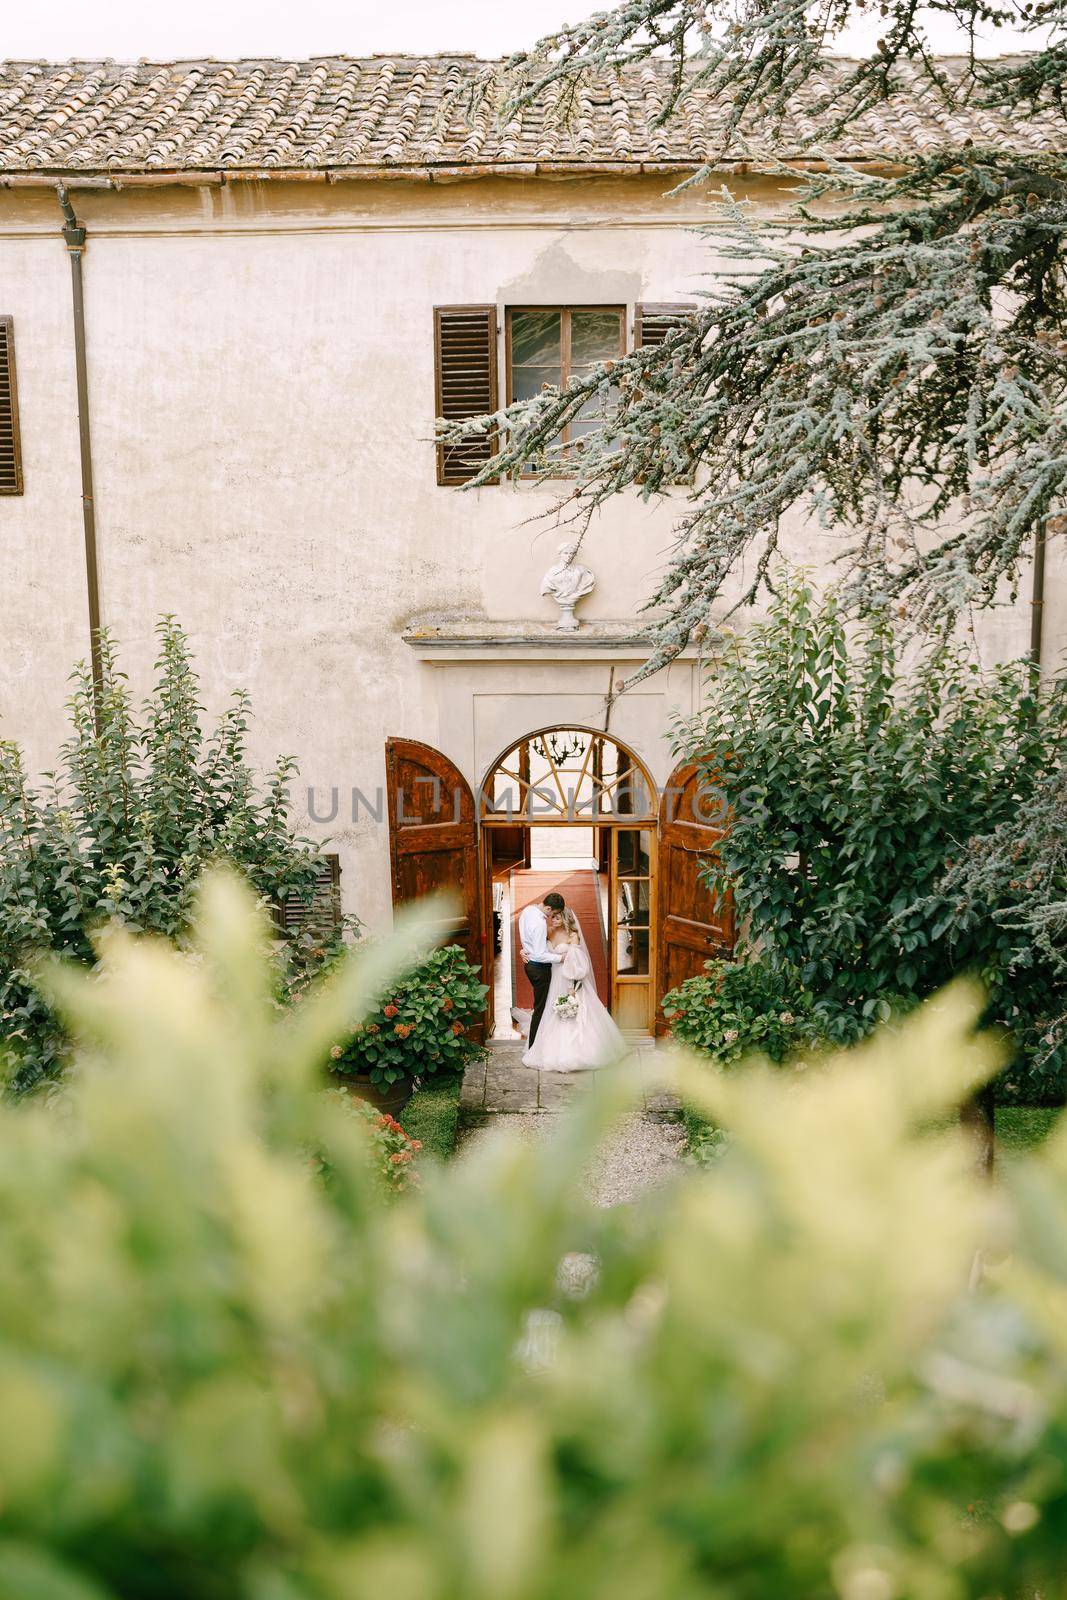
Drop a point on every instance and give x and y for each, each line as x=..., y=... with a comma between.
x=500, y=1084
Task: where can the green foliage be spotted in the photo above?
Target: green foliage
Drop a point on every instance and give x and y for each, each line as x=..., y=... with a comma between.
x=705, y=1141
x=422, y=1029
x=432, y=1116
x=739, y=1008
x=1009, y=889
x=122, y=830
x=225, y=1380
x=392, y=1148
x=852, y=787
x=1023, y=1127
x=885, y=358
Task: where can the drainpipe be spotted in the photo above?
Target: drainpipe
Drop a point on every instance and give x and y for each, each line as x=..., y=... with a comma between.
x=1037, y=603
x=74, y=238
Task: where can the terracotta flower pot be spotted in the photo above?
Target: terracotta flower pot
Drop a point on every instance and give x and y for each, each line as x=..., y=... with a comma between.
x=390, y=1097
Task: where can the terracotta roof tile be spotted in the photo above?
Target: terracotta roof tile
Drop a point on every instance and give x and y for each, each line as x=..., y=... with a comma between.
x=377, y=113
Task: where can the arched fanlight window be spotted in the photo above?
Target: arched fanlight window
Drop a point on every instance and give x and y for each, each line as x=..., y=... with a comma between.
x=568, y=774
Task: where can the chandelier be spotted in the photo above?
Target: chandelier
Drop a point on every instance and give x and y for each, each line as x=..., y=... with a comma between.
x=558, y=747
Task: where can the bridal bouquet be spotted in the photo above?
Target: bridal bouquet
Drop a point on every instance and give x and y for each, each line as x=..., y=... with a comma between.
x=567, y=1006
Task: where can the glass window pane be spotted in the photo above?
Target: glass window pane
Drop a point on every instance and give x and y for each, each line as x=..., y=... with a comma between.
x=631, y=952
x=543, y=799
x=506, y=795
x=584, y=422
x=590, y=417
x=635, y=846
x=577, y=430
x=625, y=794
x=598, y=405
x=634, y=902
x=595, y=336
x=528, y=381
x=535, y=338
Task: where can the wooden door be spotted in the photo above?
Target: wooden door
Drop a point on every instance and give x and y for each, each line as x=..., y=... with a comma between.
x=692, y=926
x=433, y=839
x=631, y=898
x=511, y=843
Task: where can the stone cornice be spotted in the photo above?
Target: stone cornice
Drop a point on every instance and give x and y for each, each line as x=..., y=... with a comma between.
x=437, y=639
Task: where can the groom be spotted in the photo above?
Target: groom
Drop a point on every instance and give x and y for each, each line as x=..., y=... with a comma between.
x=535, y=925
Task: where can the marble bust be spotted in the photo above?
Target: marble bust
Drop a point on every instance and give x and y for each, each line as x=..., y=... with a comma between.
x=567, y=582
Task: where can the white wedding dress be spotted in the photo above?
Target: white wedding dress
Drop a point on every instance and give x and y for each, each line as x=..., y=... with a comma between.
x=575, y=1044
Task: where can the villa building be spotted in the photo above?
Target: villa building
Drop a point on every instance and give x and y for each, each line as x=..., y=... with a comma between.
x=283, y=273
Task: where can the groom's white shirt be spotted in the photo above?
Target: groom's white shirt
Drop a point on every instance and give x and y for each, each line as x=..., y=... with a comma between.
x=533, y=936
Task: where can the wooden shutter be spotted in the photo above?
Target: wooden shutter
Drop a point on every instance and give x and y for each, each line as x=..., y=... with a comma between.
x=323, y=910
x=433, y=837
x=465, y=366
x=654, y=323
x=10, y=447
x=691, y=926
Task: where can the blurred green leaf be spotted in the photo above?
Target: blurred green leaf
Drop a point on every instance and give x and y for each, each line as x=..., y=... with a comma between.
x=830, y=1365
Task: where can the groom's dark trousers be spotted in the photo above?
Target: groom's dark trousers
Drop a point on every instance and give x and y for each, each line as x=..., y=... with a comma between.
x=540, y=976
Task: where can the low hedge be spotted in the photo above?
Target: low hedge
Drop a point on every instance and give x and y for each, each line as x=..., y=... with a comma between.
x=1016, y=1128
x=432, y=1117
x=1023, y=1127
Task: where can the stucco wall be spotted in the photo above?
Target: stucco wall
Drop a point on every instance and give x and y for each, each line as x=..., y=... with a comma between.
x=261, y=382
x=43, y=606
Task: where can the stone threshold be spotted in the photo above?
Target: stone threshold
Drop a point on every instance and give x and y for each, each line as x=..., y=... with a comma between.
x=500, y=1085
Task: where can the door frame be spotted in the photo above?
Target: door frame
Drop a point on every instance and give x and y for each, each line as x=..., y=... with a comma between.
x=426, y=840
x=648, y=981
x=646, y=821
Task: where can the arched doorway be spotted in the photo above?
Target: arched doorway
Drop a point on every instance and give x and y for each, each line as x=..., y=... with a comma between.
x=572, y=807
x=573, y=810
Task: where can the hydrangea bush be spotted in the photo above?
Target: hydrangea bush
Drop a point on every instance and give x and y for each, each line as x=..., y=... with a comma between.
x=394, y=1153
x=423, y=1028
x=738, y=1008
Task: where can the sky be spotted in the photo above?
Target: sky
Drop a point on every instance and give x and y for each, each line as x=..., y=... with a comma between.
x=176, y=29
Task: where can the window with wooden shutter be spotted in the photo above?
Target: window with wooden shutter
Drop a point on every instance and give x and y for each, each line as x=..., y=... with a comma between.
x=465, y=362
x=322, y=913
x=10, y=449
x=653, y=324
x=547, y=347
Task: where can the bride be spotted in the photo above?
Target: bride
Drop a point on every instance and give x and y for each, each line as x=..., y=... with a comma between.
x=581, y=1034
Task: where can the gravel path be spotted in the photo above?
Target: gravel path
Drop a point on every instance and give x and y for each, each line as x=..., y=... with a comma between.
x=499, y=1093
x=640, y=1157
